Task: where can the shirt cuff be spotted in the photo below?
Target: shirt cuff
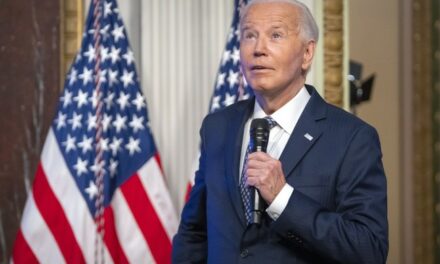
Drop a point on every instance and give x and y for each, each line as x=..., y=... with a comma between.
x=280, y=202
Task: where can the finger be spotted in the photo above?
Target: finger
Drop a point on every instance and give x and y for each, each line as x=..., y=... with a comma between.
x=256, y=173
x=253, y=181
x=261, y=156
x=256, y=164
x=270, y=165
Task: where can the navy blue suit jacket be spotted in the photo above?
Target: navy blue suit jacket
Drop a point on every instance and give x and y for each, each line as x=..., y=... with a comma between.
x=336, y=214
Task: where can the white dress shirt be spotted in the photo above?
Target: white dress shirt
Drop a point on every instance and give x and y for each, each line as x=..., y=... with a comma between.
x=286, y=117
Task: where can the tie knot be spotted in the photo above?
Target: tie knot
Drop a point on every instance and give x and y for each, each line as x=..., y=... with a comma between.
x=271, y=121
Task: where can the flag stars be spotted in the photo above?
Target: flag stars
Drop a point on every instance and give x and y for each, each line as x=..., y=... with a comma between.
x=81, y=98
x=90, y=53
x=80, y=166
x=127, y=78
x=104, y=32
x=97, y=166
x=107, y=9
x=61, y=120
x=231, y=34
x=92, y=190
x=109, y=100
x=136, y=123
x=102, y=74
x=215, y=104
x=95, y=98
x=114, y=55
x=104, y=54
x=115, y=145
x=129, y=57
x=229, y=99
x=67, y=98
x=86, y=76
x=75, y=121
x=91, y=122
x=118, y=32
x=139, y=102
x=133, y=146
x=237, y=32
x=106, y=122
x=69, y=143
x=220, y=79
x=123, y=100
x=235, y=55
x=78, y=56
x=113, y=167
x=113, y=77
x=226, y=56
x=103, y=144
x=119, y=123
x=233, y=78
x=85, y=144
x=73, y=76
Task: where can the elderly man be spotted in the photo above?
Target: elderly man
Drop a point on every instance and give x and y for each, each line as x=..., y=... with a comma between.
x=322, y=176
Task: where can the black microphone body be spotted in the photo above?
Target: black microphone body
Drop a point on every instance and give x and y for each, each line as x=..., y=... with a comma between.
x=259, y=137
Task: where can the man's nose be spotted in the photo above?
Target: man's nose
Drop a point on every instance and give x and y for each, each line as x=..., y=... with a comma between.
x=260, y=47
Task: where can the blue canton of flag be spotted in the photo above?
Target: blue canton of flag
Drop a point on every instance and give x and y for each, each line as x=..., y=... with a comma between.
x=230, y=85
x=126, y=139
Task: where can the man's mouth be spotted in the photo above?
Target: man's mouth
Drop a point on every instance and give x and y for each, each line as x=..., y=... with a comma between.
x=259, y=67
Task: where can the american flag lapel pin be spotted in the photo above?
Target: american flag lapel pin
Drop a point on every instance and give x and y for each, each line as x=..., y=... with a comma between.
x=308, y=136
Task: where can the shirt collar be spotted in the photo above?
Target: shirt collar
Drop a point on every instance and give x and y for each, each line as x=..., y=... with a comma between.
x=287, y=116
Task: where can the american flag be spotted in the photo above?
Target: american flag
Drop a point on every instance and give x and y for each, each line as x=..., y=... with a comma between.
x=99, y=193
x=230, y=85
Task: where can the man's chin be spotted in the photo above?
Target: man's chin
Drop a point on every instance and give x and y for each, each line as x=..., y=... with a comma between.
x=261, y=88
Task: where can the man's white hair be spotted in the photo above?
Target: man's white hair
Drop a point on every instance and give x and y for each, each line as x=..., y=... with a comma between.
x=308, y=29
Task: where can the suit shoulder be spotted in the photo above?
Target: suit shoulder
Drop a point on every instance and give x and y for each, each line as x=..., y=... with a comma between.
x=226, y=113
x=344, y=120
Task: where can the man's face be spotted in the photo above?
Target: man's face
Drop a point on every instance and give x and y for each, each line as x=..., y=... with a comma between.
x=273, y=55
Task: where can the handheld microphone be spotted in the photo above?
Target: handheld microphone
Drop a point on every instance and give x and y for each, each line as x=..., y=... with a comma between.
x=259, y=137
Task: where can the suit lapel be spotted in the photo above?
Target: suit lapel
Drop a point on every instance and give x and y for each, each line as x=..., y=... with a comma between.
x=236, y=124
x=307, y=131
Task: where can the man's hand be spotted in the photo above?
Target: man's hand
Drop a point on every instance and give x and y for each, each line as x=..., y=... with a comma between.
x=265, y=174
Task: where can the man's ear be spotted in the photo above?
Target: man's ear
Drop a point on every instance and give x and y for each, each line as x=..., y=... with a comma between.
x=309, y=52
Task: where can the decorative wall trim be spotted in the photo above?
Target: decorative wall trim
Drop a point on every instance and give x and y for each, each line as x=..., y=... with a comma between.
x=334, y=52
x=72, y=21
x=435, y=89
x=422, y=133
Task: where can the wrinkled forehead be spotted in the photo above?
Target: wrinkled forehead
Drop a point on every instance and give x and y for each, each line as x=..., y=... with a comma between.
x=272, y=14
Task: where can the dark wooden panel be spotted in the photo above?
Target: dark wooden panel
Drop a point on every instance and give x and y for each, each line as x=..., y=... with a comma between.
x=29, y=88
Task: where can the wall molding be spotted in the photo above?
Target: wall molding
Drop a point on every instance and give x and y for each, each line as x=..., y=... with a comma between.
x=334, y=52
x=422, y=174
x=72, y=22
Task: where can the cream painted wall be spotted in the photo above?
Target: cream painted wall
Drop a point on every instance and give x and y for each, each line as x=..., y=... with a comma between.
x=374, y=41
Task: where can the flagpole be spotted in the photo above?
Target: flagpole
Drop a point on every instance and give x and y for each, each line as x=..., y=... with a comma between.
x=99, y=173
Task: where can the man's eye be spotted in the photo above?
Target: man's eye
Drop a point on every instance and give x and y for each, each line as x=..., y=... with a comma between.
x=276, y=35
x=249, y=35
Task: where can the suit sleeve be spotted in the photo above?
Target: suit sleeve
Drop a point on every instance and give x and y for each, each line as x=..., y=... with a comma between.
x=190, y=242
x=357, y=231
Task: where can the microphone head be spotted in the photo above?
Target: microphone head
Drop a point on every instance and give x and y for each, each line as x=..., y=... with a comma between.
x=259, y=134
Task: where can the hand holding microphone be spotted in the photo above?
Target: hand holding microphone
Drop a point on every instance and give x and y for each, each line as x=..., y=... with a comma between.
x=263, y=172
